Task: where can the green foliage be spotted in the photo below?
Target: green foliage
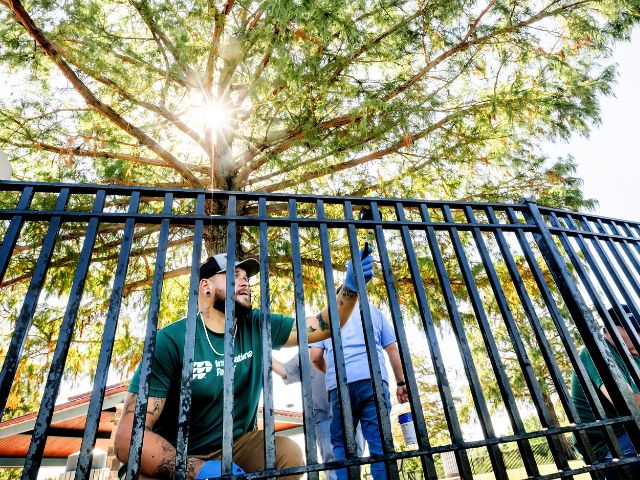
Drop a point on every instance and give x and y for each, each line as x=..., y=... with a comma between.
x=427, y=100
x=10, y=473
x=454, y=97
x=391, y=98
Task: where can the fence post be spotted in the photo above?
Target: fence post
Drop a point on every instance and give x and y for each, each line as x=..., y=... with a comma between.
x=584, y=321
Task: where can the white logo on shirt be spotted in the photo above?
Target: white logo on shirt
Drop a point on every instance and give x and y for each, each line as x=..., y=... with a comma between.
x=200, y=369
x=237, y=359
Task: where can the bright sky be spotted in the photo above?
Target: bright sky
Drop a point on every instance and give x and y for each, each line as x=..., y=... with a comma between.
x=609, y=160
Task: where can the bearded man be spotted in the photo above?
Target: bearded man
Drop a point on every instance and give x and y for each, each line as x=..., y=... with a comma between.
x=206, y=419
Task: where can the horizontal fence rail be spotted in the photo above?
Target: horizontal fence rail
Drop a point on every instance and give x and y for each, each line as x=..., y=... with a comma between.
x=491, y=306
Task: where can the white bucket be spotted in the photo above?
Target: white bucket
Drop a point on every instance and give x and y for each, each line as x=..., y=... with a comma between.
x=408, y=430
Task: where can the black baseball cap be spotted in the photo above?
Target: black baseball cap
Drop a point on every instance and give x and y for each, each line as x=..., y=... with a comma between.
x=218, y=264
x=616, y=316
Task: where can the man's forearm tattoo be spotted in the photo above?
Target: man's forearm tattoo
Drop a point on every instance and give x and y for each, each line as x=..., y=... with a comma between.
x=166, y=469
x=348, y=294
x=155, y=406
x=322, y=324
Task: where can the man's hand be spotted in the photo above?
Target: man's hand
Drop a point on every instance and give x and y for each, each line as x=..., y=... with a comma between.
x=402, y=394
x=367, y=269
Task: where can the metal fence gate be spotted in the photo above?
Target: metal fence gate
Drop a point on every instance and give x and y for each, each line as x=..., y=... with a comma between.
x=491, y=304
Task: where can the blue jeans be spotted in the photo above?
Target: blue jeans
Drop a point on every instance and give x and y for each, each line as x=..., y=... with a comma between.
x=627, y=451
x=323, y=439
x=363, y=408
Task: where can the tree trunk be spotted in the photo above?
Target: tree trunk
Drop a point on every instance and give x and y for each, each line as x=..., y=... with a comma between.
x=565, y=443
x=215, y=235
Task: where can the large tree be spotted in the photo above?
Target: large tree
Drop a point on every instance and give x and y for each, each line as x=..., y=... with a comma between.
x=286, y=95
x=438, y=99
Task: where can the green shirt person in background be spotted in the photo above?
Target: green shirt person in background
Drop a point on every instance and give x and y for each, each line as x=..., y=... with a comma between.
x=596, y=438
x=205, y=424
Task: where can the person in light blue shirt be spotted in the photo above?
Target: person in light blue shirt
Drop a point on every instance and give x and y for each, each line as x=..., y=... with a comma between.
x=359, y=381
x=290, y=373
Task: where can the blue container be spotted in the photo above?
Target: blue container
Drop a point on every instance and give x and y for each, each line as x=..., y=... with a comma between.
x=408, y=430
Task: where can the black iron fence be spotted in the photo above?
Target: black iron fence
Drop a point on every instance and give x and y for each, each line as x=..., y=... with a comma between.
x=491, y=304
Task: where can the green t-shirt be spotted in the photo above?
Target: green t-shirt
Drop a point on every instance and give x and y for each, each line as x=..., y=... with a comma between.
x=207, y=381
x=579, y=398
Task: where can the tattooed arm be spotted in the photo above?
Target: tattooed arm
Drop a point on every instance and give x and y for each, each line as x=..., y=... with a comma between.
x=318, y=326
x=158, y=458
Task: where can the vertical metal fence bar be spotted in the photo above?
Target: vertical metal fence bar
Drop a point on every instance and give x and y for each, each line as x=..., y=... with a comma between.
x=593, y=292
x=54, y=378
x=626, y=246
x=633, y=306
x=384, y=425
x=609, y=274
x=451, y=416
x=106, y=348
x=568, y=344
x=512, y=328
x=23, y=323
x=12, y=233
x=303, y=344
x=493, y=353
x=229, y=339
x=401, y=336
x=534, y=321
x=463, y=345
x=622, y=264
x=182, y=439
x=268, y=419
x=140, y=415
x=627, y=230
x=336, y=339
x=584, y=321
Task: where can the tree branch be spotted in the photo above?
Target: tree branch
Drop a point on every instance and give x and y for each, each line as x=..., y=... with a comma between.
x=405, y=142
x=163, y=112
x=286, y=139
x=51, y=51
x=142, y=7
x=70, y=260
x=466, y=43
x=305, y=163
x=474, y=26
x=345, y=62
x=252, y=161
x=69, y=236
x=83, y=152
x=164, y=74
x=219, y=21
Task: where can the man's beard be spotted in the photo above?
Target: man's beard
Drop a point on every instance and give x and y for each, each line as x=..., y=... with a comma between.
x=219, y=302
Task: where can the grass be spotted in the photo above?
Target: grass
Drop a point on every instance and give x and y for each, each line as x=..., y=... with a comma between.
x=519, y=473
